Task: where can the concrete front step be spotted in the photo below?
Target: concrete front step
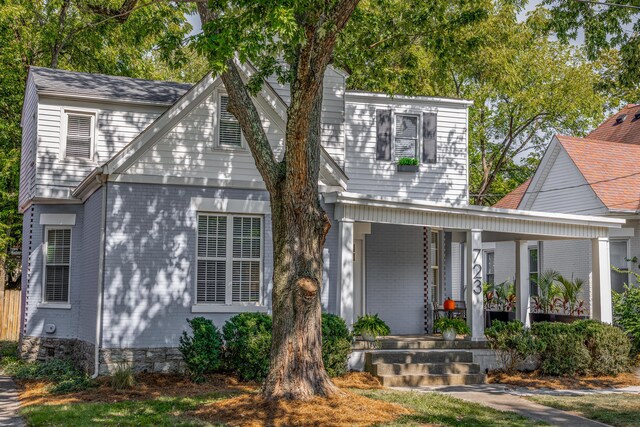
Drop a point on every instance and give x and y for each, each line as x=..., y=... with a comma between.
x=418, y=356
x=431, y=380
x=380, y=369
x=431, y=345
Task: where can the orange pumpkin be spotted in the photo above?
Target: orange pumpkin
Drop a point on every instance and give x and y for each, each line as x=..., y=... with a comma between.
x=449, y=304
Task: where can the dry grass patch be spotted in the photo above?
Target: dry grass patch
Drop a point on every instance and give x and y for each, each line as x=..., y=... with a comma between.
x=148, y=386
x=534, y=380
x=346, y=410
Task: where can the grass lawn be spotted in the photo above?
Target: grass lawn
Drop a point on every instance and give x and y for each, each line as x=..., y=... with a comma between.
x=175, y=411
x=615, y=409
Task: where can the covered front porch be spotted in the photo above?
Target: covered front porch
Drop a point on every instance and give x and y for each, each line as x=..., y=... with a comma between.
x=398, y=257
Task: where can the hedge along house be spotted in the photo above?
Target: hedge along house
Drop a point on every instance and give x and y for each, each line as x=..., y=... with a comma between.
x=143, y=207
x=595, y=175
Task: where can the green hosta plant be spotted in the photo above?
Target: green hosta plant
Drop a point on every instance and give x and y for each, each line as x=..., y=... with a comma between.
x=459, y=325
x=408, y=161
x=371, y=324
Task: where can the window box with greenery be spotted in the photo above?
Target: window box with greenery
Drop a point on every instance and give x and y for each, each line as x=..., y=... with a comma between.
x=408, y=164
x=450, y=328
x=370, y=327
x=499, y=302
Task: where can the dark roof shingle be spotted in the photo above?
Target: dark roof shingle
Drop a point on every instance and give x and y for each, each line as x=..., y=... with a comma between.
x=101, y=86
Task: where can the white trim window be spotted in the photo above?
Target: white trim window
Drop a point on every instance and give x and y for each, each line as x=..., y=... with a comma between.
x=619, y=253
x=57, y=250
x=406, y=135
x=229, y=266
x=79, y=135
x=534, y=269
x=229, y=132
x=489, y=271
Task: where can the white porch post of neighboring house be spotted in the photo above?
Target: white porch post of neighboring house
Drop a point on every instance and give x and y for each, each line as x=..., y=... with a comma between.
x=523, y=288
x=345, y=276
x=475, y=273
x=601, y=279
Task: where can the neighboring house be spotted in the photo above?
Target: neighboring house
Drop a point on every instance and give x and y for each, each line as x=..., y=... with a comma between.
x=595, y=175
x=143, y=207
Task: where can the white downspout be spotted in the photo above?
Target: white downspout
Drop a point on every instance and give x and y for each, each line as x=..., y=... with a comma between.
x=100, y=281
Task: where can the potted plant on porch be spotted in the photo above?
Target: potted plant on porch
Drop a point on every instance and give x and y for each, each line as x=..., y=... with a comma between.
x=450, y=327
x=499, y=302
x=370, y=327
x=572, y=306
x=546, y=302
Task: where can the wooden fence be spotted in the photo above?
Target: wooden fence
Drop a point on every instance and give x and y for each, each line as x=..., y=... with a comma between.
x=10, y=315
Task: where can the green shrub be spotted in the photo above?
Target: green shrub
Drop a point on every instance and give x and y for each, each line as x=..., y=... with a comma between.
x=123, y=377
x=336, y=344
x=247, y=339
x=582, y=347
x=608, y=346
x=564, y=352
x=371, y=324
x=513, y=343
x=201, y=352
x=626, y=311
x=65, y=378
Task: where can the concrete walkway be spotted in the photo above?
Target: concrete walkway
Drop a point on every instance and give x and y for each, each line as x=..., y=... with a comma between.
x=501, y=398
x=9, y=404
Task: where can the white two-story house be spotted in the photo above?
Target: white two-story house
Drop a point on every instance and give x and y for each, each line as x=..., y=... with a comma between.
x=143, y=207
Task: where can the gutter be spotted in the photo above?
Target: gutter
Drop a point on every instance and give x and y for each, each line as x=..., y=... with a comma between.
x=103, y=230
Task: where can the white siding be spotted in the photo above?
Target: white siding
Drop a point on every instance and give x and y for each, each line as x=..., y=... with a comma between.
x=189, y=149
x=564, y=189
x=333, y=106
x=116, y=126
x=29, y=138
x=443, y=182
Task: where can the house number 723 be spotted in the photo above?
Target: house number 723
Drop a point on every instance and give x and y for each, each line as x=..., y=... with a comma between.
x=477, y=272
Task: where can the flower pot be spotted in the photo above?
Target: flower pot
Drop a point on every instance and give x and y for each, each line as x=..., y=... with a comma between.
x=503, y=316
x=367, y=336
x=541, y=317
x=408, y=168
x=449, y=334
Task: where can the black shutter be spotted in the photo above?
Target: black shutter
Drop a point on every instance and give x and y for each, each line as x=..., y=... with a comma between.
x=383, y=134
x=429, y=137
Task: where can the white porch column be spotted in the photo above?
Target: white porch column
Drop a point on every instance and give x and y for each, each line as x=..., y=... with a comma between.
x=345, y=276
x=523, y=288
x=475, y=309
x=601, y=280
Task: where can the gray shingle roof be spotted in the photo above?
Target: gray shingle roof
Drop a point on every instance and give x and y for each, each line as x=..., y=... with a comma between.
x=107, y=87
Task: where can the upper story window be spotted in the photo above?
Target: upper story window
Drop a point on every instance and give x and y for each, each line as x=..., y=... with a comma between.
x=406, y=136
x=57, y=263
x=79, y=135
x=405, y=133
x=229, y=133
x=229, y=259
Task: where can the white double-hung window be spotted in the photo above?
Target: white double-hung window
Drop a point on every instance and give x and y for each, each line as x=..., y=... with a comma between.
x=79, y=135
x=57, y=264
x=229, y=269
x=406, y=136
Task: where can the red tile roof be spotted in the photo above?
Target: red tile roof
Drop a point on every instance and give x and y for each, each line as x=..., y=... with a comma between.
x=612, y=169
x=627, y=131
x=608, y=158
x=513, y=199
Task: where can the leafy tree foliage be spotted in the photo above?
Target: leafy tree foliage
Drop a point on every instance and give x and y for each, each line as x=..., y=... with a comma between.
x=107, y=36
x=525, y=87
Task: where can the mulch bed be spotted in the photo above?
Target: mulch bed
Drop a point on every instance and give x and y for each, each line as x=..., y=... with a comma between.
x=344, y=410
x=533, y=380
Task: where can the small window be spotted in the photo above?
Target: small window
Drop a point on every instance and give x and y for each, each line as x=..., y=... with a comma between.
x=79, y=135
x=230, y=134
x=406, y=136
x=618, y=251
x=489, y=258
x=534, y=270
x=434, y=258
x=57, y=262
x=229, y=259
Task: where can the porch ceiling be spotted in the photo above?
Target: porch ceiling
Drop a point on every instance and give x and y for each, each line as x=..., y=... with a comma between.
x=497, y=224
